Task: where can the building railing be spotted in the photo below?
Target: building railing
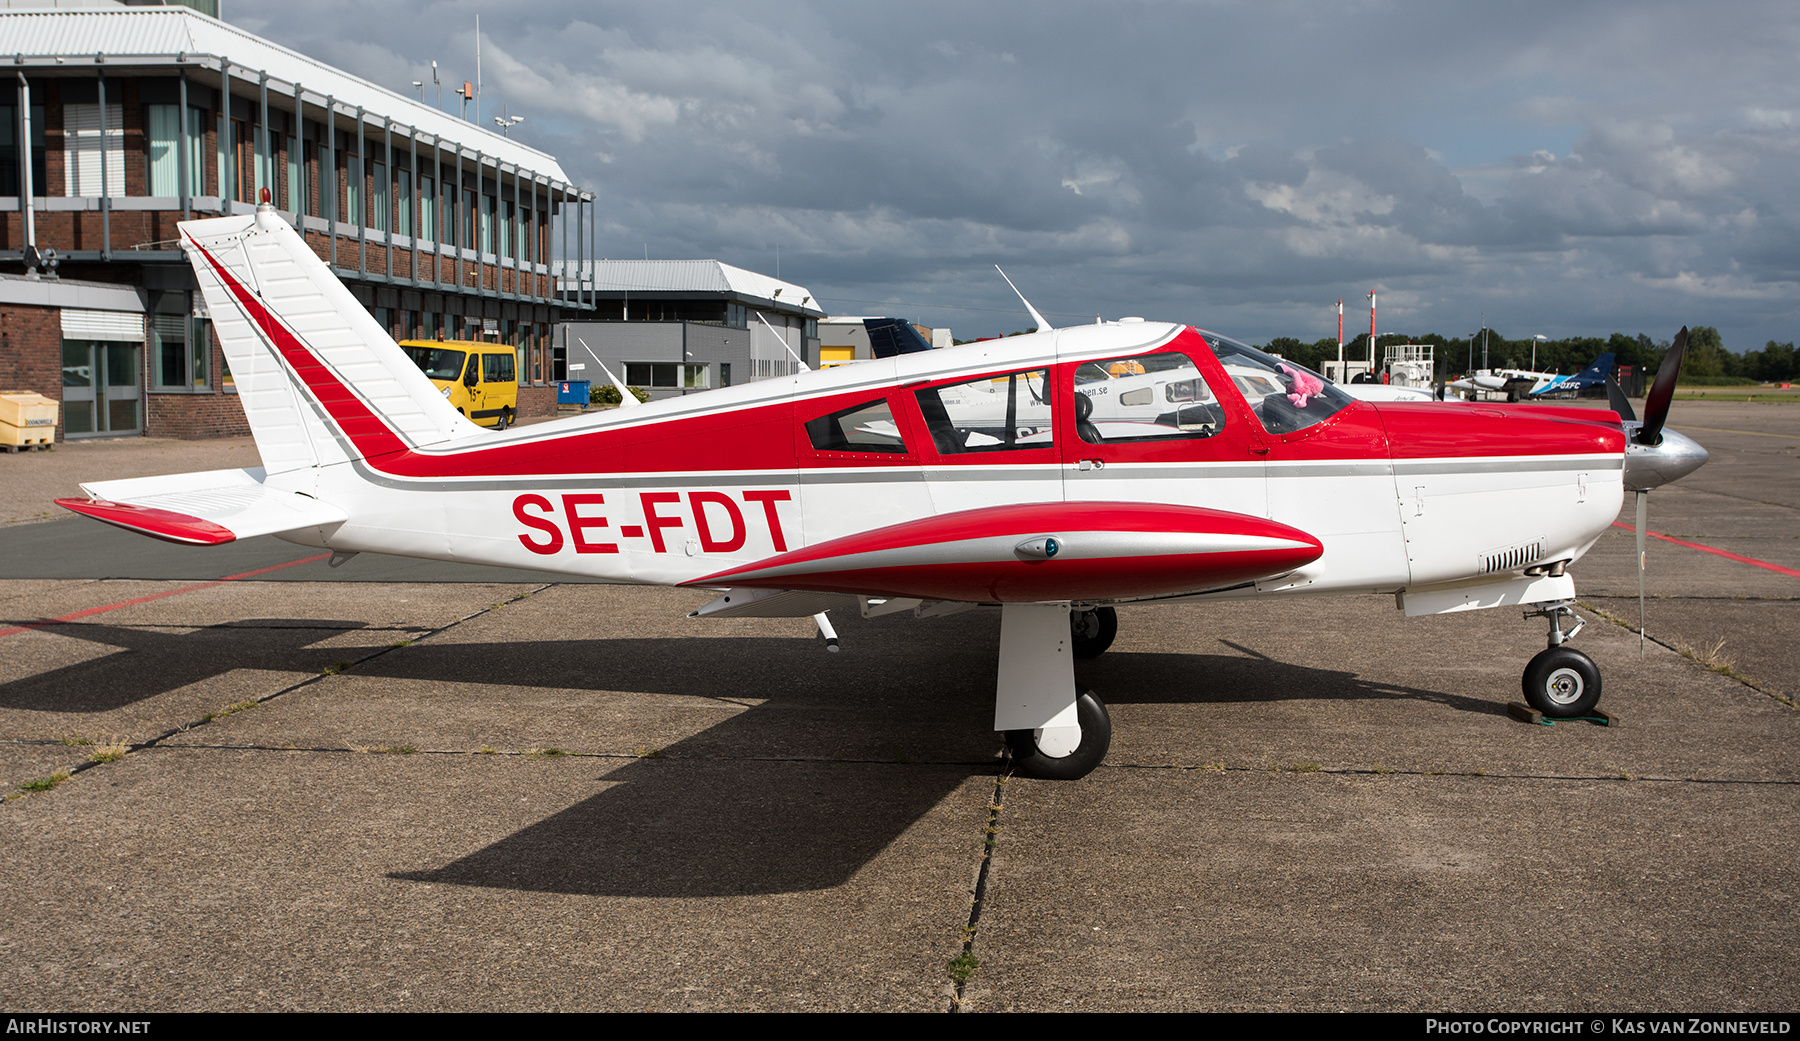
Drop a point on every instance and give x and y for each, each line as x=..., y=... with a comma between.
x=433, y=148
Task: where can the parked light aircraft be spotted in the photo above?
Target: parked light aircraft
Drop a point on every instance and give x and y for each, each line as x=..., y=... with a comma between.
x=1054, y=475
x=1520, y=383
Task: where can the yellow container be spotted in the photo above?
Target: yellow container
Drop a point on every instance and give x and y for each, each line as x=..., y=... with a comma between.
x=25, y=408
x=13, y=438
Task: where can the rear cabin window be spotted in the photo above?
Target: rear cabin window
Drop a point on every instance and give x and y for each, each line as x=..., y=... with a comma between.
x=868, y=427
x=991, y=414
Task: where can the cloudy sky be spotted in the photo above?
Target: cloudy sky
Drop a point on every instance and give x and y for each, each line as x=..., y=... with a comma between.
x=1566, y=168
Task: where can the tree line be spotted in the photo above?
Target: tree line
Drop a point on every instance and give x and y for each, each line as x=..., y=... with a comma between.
x=1707, y=356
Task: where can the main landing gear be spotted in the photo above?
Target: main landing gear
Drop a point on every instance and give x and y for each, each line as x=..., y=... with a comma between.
x=1093, y=630
x=1561, y=682
x=1052, y=731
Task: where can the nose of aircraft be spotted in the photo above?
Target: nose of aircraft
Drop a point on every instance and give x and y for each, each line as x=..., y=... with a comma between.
x=1674, y=456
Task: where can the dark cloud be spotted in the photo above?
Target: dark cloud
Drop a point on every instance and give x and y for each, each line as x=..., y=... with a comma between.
x=1238, y=165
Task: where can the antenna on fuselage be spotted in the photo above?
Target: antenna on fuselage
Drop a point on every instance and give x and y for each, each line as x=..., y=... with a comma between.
x=626, y=397
x=1043, y=326
x=784, y=344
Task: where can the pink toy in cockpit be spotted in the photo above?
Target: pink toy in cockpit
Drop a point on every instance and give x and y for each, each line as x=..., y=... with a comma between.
x=1304, y=386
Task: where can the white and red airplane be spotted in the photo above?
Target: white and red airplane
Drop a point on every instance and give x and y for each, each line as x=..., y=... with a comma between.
x=986, y=474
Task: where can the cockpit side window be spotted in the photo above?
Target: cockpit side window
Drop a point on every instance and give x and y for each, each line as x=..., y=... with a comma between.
x=991, y=414
x=1145, y=397
x=1285, y=397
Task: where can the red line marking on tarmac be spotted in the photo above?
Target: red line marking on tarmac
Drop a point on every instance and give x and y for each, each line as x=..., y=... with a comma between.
x=27, y=627
x=1752, y=561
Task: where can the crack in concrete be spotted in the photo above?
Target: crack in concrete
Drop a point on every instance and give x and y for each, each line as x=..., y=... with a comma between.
x=964, y=965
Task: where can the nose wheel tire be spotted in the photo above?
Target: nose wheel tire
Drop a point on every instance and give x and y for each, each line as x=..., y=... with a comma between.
x=1562, y=682
x=1092, y=631
x=1096, y=737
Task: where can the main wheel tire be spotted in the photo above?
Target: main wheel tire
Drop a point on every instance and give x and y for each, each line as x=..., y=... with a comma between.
x=1562, y=682
x=1092, y=631
x=1096, y=738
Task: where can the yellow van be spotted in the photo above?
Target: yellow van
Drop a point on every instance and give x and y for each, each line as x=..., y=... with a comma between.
x=480, y=379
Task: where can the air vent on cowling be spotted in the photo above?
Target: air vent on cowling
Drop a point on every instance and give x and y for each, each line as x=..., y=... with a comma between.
x=1512, y=558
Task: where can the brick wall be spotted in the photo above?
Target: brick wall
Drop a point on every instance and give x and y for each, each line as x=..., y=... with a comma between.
x=537, y=401
x=31, y=351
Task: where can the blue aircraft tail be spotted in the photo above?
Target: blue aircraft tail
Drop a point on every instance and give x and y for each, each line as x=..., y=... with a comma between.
x=1594, y=374
x=891, y=336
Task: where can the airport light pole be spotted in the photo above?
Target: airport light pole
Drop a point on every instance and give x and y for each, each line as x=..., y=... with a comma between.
x=1340, y=371
x=1371, y=332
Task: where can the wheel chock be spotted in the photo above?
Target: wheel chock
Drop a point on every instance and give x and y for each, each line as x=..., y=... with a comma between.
x=1526, y=714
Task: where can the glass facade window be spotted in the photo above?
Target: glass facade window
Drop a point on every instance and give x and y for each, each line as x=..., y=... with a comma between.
x=428, y=229
x=667, y=374
x=378, y=196
x=404, y=203
x=9, y=150
x=180, y=348
x=100, y=388
x=293, y=190
x=353, y=190
x=162, y=142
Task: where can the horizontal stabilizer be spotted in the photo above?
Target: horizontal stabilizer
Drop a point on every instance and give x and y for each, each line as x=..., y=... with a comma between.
x=202, y=509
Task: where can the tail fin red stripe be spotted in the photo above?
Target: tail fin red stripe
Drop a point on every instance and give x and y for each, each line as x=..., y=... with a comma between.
x=366, y=430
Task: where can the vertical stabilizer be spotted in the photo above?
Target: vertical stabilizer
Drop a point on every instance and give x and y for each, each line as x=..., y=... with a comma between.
x=319, y=379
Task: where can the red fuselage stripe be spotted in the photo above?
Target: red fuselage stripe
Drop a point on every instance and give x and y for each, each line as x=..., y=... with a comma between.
x=1728, y=555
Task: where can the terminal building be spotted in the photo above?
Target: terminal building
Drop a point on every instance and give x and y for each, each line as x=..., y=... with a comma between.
x=678, y=326
x=121, y=121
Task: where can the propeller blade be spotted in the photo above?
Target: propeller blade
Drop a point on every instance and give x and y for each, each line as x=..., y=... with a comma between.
x=1662, y=392
x=1643, y=523
x=1615, y=395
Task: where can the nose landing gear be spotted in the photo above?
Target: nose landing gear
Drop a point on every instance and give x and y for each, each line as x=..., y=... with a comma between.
x=1560, y=681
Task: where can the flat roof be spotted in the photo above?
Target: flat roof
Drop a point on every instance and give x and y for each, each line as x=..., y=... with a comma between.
x=613, y=278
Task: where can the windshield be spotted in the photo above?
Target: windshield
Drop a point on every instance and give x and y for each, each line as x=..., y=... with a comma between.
x=436, y=362
x=1286, y=397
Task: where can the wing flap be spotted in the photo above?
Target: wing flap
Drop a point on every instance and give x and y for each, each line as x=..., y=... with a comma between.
x=202, y=509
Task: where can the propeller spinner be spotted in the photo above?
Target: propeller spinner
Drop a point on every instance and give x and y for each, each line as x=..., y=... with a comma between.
x=1654, y=455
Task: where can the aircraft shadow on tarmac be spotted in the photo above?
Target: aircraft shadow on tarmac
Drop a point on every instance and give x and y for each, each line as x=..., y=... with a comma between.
x=150, y=662
x=834, y=758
